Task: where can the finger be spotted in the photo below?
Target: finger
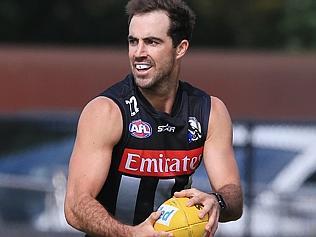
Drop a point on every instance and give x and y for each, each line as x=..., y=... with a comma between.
x=204, y=211
x=212, y=224
x=180, y=194
x=214, y=229
x=154, y=216
x=186, y=193
x=165, y=234
x=193, y=200
x=207, y=234
x=207, y=204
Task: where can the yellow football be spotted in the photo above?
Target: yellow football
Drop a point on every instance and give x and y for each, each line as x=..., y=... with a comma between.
x=179, y=219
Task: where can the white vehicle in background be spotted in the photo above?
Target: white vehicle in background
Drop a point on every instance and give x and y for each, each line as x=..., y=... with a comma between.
x=286, y=204
x=33, y=167
x=33, y=179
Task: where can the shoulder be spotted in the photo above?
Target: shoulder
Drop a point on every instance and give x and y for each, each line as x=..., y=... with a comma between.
x=219, y=117
x=100, y=107
x=192, y=90
x=119, y=89
x=218, y=107
x=101, y=117
x=197, y=97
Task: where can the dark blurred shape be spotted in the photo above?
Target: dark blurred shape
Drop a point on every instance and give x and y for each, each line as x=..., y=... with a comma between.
x=63, y=22
x=299, y=24
x=16, y=133
x=264, y=24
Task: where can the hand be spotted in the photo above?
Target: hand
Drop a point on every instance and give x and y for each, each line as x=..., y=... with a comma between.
x=210, y=207
x=146, y=229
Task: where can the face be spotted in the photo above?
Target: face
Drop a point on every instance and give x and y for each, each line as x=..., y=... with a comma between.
x=151, y=53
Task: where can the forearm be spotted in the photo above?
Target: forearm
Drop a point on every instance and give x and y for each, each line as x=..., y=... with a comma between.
x=89, y=216
x=233, y=197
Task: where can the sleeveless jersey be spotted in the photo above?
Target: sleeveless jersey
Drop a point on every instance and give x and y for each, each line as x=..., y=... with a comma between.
x=157, y=153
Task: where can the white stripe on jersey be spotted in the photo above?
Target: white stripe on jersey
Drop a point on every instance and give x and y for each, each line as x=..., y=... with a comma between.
x=163, y=191
x=126, y=199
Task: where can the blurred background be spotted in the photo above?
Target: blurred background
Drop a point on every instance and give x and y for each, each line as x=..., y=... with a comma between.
x=258, y=56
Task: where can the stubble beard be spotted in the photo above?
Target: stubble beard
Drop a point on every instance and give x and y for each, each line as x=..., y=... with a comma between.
x=152, y=82
x=157, y=81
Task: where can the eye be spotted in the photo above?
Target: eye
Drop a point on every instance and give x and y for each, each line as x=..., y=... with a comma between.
x=132, y=41
x=154, y=43
x=151, y=42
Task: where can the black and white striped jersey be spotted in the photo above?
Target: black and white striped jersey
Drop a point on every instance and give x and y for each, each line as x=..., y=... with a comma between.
x=157, y=153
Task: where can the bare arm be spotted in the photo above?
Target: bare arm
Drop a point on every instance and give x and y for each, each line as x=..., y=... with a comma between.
x=99, y=129
x=222, y=171
x=220, y=161
x=97, y=133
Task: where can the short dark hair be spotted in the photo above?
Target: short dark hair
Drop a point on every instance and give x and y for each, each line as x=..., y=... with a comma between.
x=182, y=18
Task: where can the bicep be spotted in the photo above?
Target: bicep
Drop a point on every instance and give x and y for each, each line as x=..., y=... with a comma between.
x=99, y=129
x=219, y=156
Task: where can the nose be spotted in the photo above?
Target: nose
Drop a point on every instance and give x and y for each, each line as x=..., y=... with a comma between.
x=140, y=50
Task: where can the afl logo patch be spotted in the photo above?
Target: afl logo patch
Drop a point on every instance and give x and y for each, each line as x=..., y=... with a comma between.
x=140, y=129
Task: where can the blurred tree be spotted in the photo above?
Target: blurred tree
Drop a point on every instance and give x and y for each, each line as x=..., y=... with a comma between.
x=299, y=24
x=269, y=24
x=8, y=19
x=63, y=21
x=241, y=24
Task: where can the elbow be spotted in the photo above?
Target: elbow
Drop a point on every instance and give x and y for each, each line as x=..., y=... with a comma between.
x=231, y=215
x=234, y=208
x=70, y=215
x=238, y=214
x=239, y=210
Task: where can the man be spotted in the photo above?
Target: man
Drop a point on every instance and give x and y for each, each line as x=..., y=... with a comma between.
x=140, y=141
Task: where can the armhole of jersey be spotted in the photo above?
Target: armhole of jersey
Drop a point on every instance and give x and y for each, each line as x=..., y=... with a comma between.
x=207, y=106
x=123, y=139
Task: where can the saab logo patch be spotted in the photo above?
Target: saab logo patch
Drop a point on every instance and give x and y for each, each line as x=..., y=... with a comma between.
x=140, y=129
x=167, y=212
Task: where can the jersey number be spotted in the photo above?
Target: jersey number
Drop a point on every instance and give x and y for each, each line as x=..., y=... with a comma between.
x=132, y=102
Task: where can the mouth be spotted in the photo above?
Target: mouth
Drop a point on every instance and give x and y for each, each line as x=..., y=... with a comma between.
x=142, y=67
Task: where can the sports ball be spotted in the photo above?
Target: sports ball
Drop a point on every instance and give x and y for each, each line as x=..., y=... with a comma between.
x=179, y=219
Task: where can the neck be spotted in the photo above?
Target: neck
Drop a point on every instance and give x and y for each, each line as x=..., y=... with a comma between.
x=163, y=95
x=162, y=100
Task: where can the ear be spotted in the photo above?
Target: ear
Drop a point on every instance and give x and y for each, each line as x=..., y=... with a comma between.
x=182, y=48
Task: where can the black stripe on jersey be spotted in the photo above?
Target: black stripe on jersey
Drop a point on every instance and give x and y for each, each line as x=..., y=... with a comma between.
x=181, y=183
x=145, y=199
x=108, y=195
